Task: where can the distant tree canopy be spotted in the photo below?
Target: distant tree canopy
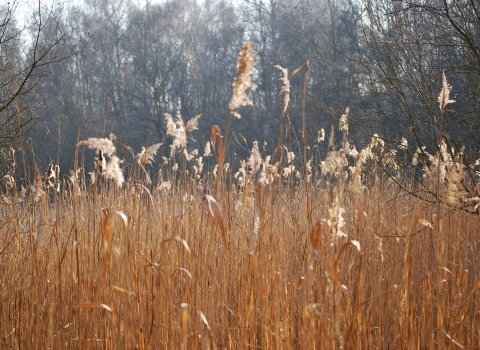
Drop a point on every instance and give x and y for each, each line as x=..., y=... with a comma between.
x=28, y=51
x=133, y=62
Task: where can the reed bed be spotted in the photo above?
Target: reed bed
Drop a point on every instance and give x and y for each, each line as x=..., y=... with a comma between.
x=146, y=267
x=275, y=254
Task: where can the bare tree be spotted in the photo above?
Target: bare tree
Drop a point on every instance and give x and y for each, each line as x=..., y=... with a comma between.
x=403, y=48
x=26, y=54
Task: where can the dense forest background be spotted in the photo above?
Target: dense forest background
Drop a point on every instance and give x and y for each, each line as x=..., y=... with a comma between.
x=94, y=67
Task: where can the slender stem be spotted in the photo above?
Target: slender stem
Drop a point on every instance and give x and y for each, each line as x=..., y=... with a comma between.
x=304, y=134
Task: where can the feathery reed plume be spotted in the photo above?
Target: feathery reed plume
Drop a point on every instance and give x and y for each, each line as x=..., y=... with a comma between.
x=105, y=144
x=207, y=151
x=199, y=167
x=187, y=155
x=179, y=131
x=356, y=182
x=104, y=147
x=285, y=87
x=192, y=124
x=334, y=163
x=390, y=158
x=344, y=120
x=255, y=159
x=289, y=170
x=48, y=175
x=147, y=154
x=454, y=178
x=242, y=81
x=114, y=172
x=351, y=150
x=36, y=189
x=444, y=97
x=171, y=126
x=321, y=135
x=93, y=178
x=416, y=154
x=290, y=157
x=377, y=142
x=9, y=181
x=112, y=137
x=269, y=172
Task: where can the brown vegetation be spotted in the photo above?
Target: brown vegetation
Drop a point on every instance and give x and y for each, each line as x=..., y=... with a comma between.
x=94, y=266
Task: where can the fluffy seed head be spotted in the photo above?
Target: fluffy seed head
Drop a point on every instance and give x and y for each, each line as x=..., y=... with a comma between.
x=36, y=189
x=290, y=157
x=114, y=172
x=192, y=124
x=344, y=120
x=321, y=135
x=243, y=80
x=255, y=160
x=285, y=87
x=147, y=154
x=105, y=144
x=444, y=97
x=207, y=151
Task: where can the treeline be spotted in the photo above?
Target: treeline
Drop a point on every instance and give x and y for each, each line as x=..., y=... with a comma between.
x=133, y=63
x=117, y=66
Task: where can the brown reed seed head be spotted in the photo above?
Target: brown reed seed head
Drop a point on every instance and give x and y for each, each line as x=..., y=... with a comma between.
x=285, y=87
x=147, y=154
x=243, y=80
x=50, y=173
x=101, y=162
x=255, y=159
x=444, y=97
x=37, y=187
x=192, y=124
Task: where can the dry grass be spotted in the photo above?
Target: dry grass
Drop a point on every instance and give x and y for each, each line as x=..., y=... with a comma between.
x=270, y=261
x=152, y=271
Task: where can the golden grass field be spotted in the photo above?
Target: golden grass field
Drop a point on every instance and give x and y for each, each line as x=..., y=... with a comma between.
x=76, y=275
x=261, y=255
